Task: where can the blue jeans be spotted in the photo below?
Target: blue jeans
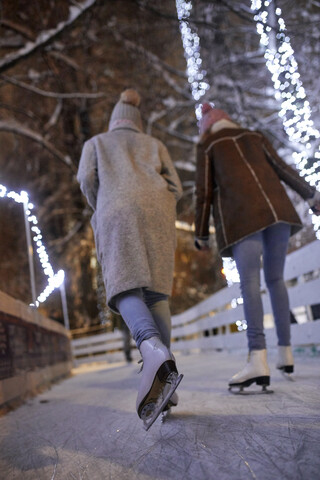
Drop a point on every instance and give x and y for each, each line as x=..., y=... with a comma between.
x=146, y=313
x=272, y=243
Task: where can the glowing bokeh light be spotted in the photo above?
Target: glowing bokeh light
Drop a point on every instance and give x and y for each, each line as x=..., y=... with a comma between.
x=54, y=279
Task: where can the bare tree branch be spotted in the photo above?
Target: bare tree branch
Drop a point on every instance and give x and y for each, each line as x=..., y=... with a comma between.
x=17, y=128
x=174, y=133
x=144, y=6
x=59, y=242
x=44, y=93
x=64, y=58
x=21, y=111
x=54, y=117
x=13, y=42
x=154, y=60
x=45, y=37
x=22, y=29
x=242, y=11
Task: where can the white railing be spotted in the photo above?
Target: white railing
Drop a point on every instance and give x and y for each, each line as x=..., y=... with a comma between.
x=211, y=324
x=96, y=348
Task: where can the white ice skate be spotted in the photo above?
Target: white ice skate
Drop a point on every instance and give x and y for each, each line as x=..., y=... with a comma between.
x=255, y=371
x=159, y=381
x=285, y=362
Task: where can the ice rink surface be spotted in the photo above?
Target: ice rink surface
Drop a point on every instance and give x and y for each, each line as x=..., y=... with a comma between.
x=86, y=427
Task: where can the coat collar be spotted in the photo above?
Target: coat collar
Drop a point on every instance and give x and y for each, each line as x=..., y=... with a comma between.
x=133, y=129
x=224, y=131
x=124, y=123
x=223, y=123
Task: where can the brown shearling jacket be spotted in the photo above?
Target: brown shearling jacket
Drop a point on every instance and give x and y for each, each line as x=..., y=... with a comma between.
x=239, y=178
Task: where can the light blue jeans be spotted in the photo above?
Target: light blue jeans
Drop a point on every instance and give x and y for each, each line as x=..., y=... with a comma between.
x=146, y=313
x=272, y=243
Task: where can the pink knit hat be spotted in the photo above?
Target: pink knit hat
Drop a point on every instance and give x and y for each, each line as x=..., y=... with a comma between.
x=210, y=116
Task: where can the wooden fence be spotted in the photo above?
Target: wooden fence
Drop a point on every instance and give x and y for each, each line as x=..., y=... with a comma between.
x=212, y=324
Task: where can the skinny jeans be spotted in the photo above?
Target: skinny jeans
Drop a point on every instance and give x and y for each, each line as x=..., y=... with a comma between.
x=146, y=313
x=272, y=244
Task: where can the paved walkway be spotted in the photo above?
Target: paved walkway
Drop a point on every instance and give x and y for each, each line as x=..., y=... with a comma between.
x=86, y=427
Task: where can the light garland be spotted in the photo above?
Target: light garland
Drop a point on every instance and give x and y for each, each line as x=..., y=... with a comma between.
x=199, y=86
x=55, y=280
x=191, y=45
x=295, y=109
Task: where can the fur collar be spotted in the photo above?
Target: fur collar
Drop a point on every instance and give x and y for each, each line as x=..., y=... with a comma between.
x=223, y=123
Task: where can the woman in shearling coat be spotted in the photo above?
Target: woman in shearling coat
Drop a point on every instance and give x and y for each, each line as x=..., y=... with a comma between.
x=238, y=179
x=132, y=186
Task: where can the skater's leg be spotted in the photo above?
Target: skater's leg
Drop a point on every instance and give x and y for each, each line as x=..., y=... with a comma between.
x=247, y=255
x=158, y=305
x=256, y=371
x=159, y=367
x=275, y=245
x=159, y=381
x=137, y=315
x=126, y=342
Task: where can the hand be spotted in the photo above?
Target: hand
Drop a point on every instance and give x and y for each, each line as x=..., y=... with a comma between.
x=316, y=209
x=202, y=243
x=314, y=203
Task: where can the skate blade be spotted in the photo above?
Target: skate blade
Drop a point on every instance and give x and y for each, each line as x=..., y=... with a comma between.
x=165, y=414
x=147, y=423
x=241, y=391
x=288, y=376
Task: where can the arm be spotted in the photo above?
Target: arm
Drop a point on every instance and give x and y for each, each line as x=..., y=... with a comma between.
x=87, y=174
x=286, y=173
x=203, y=197
x=169, y=173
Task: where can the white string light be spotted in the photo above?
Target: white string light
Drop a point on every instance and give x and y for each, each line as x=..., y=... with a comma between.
x=199, y=86
x=191, y=45
x=55, y=280
x=295, y=109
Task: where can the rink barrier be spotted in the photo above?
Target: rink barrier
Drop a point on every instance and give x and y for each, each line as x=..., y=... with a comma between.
x=34, y=351
x=100, y=347
x=211, y=324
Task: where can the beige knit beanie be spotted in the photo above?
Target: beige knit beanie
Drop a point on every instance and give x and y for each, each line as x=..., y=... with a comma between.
x=126, y=111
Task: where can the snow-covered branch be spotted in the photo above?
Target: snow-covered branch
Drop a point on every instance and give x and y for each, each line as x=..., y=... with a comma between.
x=54, y=117
x=17, y=128
x=44, y=93
x=45, y=37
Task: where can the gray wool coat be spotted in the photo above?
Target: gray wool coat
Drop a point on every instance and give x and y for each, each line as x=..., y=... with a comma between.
x=132, y=186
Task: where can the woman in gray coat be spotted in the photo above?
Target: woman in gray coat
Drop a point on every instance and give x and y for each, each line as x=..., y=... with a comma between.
x=132, y=186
